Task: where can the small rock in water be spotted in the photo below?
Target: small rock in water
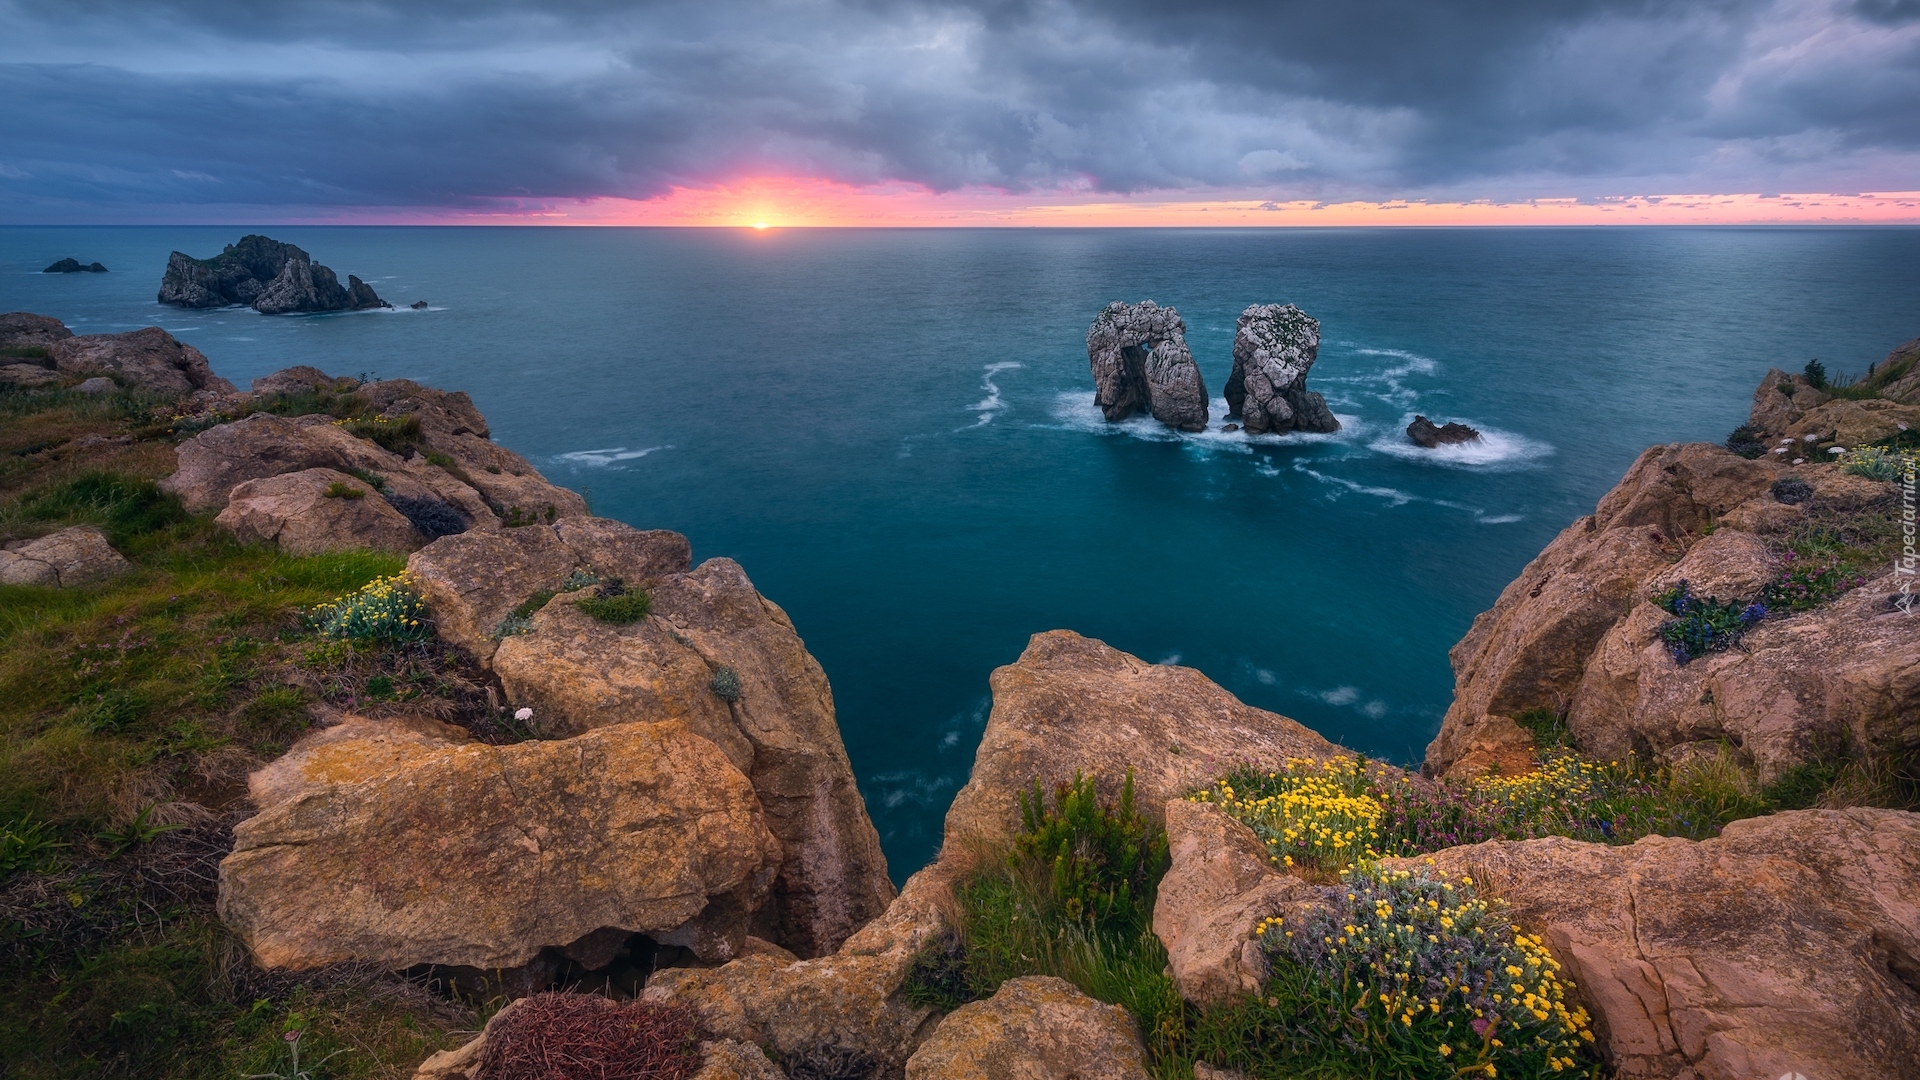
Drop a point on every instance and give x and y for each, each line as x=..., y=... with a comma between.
x=418, y=305
x=1425, y=432
x=74, y=266
x=1231, y=427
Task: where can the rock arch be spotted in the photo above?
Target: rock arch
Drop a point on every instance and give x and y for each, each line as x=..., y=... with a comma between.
x=1274, y=346
x=1139, y=356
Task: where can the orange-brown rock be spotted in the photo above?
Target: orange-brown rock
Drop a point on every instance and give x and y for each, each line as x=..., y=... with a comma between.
x=1071, y=704
x=1221, y=884
x=1033, y=1028
x=1902, y=380
x=1531, y=648
x=1788, y=945
x=482, y=856
x=213, y=462
x=314, y=511
x=1780, y=401
x=577, y=673
x=845, y=1011
x=1855, y=423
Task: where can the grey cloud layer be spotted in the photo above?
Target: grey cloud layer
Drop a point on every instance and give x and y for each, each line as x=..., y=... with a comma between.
x=331, y=104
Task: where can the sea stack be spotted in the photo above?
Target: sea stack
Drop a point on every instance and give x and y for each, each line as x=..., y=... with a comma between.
x=1139, y=356
x=262, y=273
x=1425, y=432
x=1274, y=346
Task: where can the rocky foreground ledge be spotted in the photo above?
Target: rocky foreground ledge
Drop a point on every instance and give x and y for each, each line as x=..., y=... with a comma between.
x=679, y=816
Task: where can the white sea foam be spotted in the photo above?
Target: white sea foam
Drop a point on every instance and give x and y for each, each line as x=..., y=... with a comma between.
x=601, y=459
x=1075, y=410
x=1494, y=449
x=992, y=404
x=1169, y=660
x=1394, y=496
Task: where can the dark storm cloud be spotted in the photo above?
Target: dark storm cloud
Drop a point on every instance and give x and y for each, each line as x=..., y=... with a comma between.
x=370, y=103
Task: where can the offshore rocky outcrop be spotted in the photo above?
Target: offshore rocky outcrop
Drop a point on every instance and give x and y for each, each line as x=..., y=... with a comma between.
x=1425, y=433
x=1274, y=346
x=1140, y=361
x=271, y=277
x=74, y=266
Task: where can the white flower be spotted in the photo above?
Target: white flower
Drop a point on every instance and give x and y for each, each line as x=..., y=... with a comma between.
x=1836, y=450
x=1799, y=461
x=1809, y=438
x=523, y=714
x=1779, y=449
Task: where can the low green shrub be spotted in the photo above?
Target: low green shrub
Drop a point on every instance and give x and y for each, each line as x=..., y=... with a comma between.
x=396, y=435
x=370, y=478
x=725, y=684
x=388, y=609
x=26, y=844
x=1878, y=463
x=1747, y=441
x=338, y=490
x=520, y=620
x=615, y=604
x=1816, y=373
x=1547, y=726
x=1703, y=624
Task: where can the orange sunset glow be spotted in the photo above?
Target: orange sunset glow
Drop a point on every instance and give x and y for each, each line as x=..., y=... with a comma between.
x=766, y=203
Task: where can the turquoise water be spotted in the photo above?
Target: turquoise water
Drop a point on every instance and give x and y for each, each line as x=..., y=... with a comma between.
x=893, y=430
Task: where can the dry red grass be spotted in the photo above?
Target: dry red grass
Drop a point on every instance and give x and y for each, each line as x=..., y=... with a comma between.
x=558, y=1036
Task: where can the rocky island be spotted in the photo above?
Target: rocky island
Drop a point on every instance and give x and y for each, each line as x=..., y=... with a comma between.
x=266, y=275
x=449, y=738
x=74, y=266
x=1427, y=434
x=1274, y=346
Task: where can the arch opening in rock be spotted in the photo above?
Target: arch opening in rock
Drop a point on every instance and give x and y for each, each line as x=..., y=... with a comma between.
x=1140, y=361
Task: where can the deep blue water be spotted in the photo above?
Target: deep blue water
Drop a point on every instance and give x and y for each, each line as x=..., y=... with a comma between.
x=893, y=430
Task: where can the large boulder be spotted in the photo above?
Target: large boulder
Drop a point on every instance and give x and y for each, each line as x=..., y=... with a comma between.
x=25, y=330
x=149, y=359
x=1899, y=374
x=1531, y=649
x=317, y=510
x=1855, y=423
x=1071, y=704
x=78, y=555
x=1139, y=356
x=1033, y=1028
x=265, y=274
x=1789, y=945
x=481, y=857
x=775, y=719
x=839, y=1015
x=1780, y=401
x=220, y=458
x=1274, y=346
x=1220, y=887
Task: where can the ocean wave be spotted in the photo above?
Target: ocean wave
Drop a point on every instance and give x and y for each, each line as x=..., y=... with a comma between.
x=600, y=459
x=992, y=404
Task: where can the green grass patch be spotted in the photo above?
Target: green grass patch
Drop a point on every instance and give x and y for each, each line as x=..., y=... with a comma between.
x=615, y=604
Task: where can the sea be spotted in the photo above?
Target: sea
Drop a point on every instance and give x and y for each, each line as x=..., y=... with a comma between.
x=894, y=430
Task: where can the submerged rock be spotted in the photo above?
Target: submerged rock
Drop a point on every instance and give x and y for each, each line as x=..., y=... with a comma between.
x=1426, y=433
x=149, y=359
x=266, y=275
x=1139, y=356
x=74, y=266
x=1274, y=346
x=1033, y=1028
x=1789, y=945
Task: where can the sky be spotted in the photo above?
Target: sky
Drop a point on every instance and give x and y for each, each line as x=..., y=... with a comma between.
x=996, y=112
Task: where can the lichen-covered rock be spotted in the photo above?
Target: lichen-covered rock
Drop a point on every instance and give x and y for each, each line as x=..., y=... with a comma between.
x=355, y=749
x=1780, y=401
x=838, y=1015
x=77, y=555
x=778, y=727
x=1219, y=887
x=1531, y=648
x=1033, y=1028
x=149, y=359
x=473, y=580
x=265, y=274
x=1789, y=945
x=218, y=459
x=1274, y=346
x=615, y=549
x=482, y=856
x=314, y=511
x=1072, y=704
x=1855, y=423
x=25, y=330
x=1139, y=356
